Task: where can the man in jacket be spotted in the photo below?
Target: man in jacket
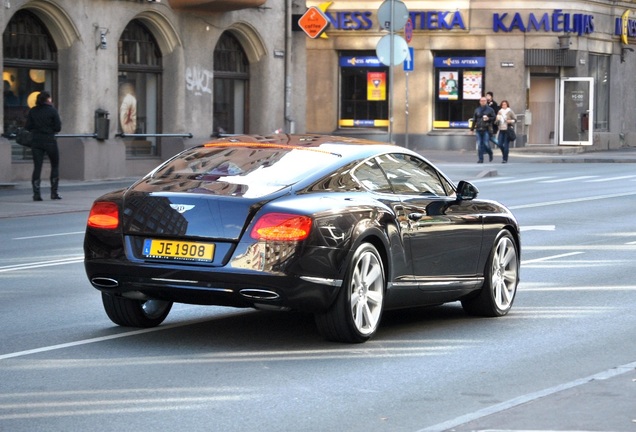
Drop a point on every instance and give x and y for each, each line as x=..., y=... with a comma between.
x=482, y=123
x=490, y=101
x=44, y=122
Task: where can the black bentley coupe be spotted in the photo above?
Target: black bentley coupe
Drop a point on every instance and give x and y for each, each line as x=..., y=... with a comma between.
x=338, y=227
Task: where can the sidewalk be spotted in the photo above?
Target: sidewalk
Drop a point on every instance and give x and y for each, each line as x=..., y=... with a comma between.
x=16, y=199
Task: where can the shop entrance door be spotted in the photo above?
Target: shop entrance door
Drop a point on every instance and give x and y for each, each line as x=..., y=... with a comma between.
x=576, y=111
x=542, y=104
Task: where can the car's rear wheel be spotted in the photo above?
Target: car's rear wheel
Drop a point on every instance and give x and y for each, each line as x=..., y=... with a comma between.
x=501, y=280
x=355, y=315
x=135, y=313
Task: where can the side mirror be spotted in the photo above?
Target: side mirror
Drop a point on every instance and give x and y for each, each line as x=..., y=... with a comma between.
x=466, y=191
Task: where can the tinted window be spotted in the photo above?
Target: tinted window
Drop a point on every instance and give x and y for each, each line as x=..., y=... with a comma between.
x=254, y=170
x=372, y=177
x=410, y=175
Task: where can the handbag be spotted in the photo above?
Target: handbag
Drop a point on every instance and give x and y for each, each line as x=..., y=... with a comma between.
x=23, y=137
x=512, y=135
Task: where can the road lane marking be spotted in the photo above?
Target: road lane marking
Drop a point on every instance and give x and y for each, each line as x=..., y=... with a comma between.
x=538, y=228
x=48, y=235
x=27, y=266
x=529, y=397
x=571, y=201
x=606, y=179
x=550, y=257
x=561, y=180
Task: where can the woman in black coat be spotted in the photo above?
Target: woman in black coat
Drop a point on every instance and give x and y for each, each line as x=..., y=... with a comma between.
x=44, y=122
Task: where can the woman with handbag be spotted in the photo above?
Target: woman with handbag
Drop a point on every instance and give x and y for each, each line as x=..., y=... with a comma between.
x=44, y=122
x=506, y=119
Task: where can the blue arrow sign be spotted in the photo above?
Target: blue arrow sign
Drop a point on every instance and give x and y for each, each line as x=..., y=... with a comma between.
x=408, y=63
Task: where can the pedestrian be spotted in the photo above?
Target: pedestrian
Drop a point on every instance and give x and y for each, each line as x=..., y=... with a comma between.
x=506, y=118
x=44, y=122
x=482, y=123
x=492, y=104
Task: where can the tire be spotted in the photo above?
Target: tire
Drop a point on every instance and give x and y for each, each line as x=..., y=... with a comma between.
x=135, y=313
x=355, y=315
x=501, y=279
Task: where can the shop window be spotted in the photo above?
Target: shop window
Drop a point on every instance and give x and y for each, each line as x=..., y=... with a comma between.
x=231, y=79
x=459, y=78
x=139, y=82
x=364, y=91
x=30, y=66
x=599, y=70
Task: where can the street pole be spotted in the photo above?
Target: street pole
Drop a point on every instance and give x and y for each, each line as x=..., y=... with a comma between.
x=391, y=54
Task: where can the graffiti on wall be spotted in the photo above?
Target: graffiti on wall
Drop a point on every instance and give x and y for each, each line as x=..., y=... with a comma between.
x=199, y=80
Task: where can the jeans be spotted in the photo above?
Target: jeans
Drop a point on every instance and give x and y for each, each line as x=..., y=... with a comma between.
x=52, y=152
x=483, y=144
x=504, y=144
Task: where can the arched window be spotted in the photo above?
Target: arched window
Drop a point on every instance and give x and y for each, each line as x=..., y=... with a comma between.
x=30, y=66
x=139, y=89
x=231, y=79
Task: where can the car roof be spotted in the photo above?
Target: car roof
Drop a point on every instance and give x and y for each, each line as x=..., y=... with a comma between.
x=344, y=146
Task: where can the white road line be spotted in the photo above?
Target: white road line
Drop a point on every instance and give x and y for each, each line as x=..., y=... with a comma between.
x=49, y=235
x=606, y=179
x=571, y=201
x=538, y=228
x=550, y=258
x=523, y=399
x=568, y=179
x=26, y=266
x=526, y=180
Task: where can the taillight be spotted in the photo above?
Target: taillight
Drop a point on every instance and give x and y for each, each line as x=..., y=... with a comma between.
x=281, y=227
x=104, y=215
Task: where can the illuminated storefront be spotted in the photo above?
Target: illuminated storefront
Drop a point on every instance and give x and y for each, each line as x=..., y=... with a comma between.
x=524, y=54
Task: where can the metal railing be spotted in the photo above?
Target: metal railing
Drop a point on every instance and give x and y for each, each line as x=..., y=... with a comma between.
x=126, y=135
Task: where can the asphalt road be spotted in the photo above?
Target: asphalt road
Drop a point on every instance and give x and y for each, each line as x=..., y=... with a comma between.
x=564, y=359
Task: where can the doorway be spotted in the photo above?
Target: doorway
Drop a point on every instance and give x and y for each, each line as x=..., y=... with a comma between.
x=542, y=105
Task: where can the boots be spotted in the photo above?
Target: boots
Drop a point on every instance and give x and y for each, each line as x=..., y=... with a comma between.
x=36, y=190
x=54, y=184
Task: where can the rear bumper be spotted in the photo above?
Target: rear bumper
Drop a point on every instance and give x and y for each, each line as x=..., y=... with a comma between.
x=213, y=287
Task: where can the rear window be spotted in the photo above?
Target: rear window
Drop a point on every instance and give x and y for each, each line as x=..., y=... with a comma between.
x=254, y=170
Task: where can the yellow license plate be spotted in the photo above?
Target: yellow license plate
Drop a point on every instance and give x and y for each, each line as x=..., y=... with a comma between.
x=178, y=250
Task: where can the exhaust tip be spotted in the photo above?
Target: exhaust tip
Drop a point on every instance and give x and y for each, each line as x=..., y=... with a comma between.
x=104, y=282
x=259, y=294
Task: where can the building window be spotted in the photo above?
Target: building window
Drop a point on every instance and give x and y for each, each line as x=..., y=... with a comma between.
x=599, y=70
x=459, y=78
x=231, y=79
x=139, y=82
x=30, y=66
x=364, y=91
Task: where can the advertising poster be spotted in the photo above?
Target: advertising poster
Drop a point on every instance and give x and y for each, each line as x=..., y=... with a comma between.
x=127, y=108
x=376, y=86
x=472, y=89
x=448, y=87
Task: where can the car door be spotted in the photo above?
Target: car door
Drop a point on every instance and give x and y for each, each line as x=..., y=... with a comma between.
x=443, y=234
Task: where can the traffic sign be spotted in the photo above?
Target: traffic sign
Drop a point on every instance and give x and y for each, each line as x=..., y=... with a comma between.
x=400, y=15
x=400, y=50
x=408, y=31
x=408, y=62
x=313, y=22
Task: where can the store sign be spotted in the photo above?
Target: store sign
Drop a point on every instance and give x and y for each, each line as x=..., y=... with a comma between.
x=625, y=27
x=462, y=62
x=360, y=61
x=557, y=22
x=422, y=20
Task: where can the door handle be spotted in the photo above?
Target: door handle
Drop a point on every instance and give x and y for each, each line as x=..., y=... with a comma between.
x=415, y=216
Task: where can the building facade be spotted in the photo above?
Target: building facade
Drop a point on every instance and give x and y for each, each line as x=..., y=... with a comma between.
x=566, y=69
x=136, y=81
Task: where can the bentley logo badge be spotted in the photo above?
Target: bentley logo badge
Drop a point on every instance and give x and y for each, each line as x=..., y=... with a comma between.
x=182, y=208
